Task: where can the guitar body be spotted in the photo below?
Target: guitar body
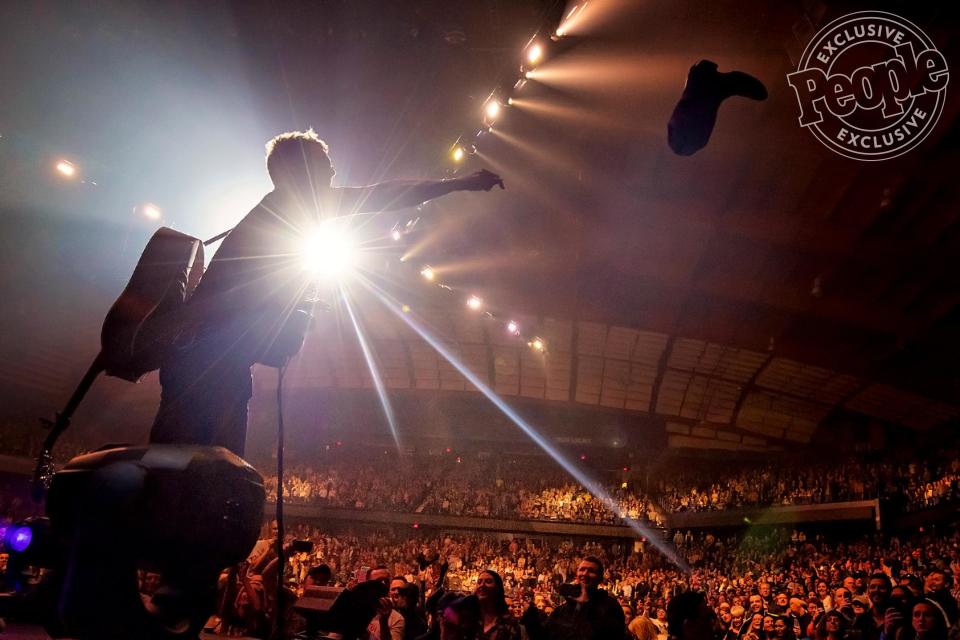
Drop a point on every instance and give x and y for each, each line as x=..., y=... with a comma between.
x=168, y=271
x=139, y=327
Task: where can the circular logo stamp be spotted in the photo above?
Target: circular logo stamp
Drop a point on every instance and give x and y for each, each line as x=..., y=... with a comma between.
x=870, y=85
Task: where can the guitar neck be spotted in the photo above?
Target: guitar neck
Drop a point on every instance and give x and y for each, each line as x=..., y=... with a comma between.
x=43, y=473
x=63, y=417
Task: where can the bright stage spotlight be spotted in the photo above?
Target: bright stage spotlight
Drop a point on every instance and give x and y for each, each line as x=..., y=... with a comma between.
x=570, y=18
x=396, y=235
x=428, y=273
x=535, y=53
x=474, y=302
x=66, y=169
x=328, y=251
x=492, y=109
x=513, y=328
x=537, y=344
x=151, y=211
x=458, y=153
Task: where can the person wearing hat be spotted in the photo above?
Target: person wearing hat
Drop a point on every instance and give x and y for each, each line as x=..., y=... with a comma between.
x=861, y=605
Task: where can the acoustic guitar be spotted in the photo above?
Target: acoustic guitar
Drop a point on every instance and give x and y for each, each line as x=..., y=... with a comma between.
x=137, y=330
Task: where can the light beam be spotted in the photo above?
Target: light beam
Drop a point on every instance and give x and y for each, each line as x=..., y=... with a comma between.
x=374, y=371
x=595, y=488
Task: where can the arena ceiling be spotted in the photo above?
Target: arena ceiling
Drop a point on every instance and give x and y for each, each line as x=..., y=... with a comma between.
x=753, y=290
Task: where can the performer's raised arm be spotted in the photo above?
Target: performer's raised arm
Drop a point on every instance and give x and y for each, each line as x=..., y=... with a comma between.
x=399, y=194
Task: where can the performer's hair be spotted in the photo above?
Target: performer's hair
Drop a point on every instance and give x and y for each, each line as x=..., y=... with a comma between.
x=286, y=151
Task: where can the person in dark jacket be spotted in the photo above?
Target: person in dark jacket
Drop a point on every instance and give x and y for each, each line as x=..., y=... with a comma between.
x=590, y=615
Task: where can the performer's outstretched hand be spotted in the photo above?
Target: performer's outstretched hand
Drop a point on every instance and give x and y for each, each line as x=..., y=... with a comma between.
x=482, y=180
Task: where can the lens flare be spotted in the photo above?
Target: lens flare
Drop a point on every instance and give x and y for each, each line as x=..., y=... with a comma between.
x=328, y=251
x=378, y=383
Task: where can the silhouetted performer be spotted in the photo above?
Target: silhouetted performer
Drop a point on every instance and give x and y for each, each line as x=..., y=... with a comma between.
x=693, y=118
x=245, y=309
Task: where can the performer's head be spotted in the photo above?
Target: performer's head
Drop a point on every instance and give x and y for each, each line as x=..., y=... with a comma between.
x=299, y=160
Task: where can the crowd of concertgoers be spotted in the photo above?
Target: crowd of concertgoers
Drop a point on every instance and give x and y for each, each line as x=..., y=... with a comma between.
x=535, y=489
x=930, y=488
x=756, y=584
x=917, y=485
x=473, y=488
x=768, y=484
x=762, y=584
x=527, y=490
x=355, y=486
